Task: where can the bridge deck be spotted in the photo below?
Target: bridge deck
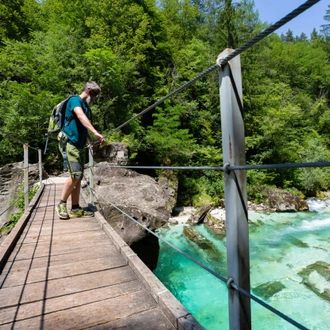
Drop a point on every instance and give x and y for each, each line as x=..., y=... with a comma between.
x=79, y=274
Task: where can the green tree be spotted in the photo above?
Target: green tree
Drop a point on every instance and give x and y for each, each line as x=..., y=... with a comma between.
x=171, y=144
x=313, y=180
x=325, y=28
x=289, y=37
x=18, y=18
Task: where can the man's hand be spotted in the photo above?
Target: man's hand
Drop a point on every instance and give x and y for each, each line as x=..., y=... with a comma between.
x=99, y=137
x=100, y=140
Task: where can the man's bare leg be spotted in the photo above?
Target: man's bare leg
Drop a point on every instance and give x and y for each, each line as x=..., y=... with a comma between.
x=75, y=194
x=68, y=189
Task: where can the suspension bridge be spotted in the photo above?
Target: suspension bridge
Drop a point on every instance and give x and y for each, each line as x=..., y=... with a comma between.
x=80, y=274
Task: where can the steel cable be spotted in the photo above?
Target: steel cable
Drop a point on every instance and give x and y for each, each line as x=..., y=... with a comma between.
x=11, y=205
x=221, y=168
x=272, y=309
x=17, y=140
x=229, y=282
x=223, y=61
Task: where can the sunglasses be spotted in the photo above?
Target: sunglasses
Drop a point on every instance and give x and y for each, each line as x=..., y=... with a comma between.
x=95, y=94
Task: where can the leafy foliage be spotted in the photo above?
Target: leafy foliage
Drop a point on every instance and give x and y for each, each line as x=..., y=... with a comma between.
x=139, y=51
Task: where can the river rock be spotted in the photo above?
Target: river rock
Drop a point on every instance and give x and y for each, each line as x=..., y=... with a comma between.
x=278, y=200
x=267, y=290
x=201, y=243
x=199, y=215
x=214, y=219
x=195, y=236
x=316, y=277
x=216, y=224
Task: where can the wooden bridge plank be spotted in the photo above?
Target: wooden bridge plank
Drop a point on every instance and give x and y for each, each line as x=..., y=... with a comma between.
x=75, y=268
x=41, y=307
x=149, y=320
x=22, y=294
x=75, y=242
x=41, y=229
x=86, y=253
x=61, y=250
x=58, y=235
x=91, y=314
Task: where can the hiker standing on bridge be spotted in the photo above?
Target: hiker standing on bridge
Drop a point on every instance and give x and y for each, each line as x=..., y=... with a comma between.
x=73, y=139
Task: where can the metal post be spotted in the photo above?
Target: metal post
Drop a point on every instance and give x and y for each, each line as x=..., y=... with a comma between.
x=237, y=235
x=40, y=165
x=91, y=175
x=26, y=176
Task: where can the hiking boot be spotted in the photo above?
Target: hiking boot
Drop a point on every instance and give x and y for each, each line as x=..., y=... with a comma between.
x=81, y=213
x=62, y=211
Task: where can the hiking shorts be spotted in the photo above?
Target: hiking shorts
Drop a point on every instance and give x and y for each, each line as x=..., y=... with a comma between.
x=75, y=158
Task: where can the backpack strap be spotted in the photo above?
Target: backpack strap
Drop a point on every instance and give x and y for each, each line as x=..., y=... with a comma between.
x=46, y=145
x=63, y=140
x=65, y=158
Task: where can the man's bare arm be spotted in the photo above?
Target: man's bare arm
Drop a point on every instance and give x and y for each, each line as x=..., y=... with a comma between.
x=86, y=122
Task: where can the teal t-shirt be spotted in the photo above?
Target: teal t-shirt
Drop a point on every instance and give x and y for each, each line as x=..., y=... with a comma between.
x=73, y=129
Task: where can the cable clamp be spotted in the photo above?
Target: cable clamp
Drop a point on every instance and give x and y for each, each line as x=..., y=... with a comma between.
x=219, y=60
x=226, y=168
x=229, y=282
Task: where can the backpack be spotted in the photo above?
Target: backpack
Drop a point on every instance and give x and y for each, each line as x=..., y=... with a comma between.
x=57, y=121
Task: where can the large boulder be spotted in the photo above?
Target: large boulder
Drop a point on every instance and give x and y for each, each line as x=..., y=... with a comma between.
x=136, y=194
x=199, y=215
x=278, y=200
x=115, y=153
x=214, y=219
x=316, y=277
x=284, y=201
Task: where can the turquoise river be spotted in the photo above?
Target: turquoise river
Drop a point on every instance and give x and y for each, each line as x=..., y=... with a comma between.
x=289, y=269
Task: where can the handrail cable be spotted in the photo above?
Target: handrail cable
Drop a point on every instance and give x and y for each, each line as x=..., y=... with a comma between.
x=221, y=168
x=220, y=63
x=259, y=37
x=11, y=205
x=229, y=282
x=16, y=139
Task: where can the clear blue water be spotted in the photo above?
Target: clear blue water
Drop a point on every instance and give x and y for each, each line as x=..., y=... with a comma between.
x=281, y=245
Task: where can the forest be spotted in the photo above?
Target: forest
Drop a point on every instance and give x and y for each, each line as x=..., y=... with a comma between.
x=138, y=51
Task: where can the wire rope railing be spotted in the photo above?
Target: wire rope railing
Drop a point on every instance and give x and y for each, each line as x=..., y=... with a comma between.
x=11, y=205
x=13, y=137
x=26, y=187
x=227, y=168
x=221, y=62
x=229, y=282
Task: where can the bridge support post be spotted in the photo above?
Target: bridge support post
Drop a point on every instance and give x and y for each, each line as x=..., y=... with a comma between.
x=26, y=176
x=237, y=236
x=40, y=166
x=91, y=175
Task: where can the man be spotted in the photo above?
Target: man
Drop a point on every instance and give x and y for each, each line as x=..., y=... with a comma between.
x=73, y=139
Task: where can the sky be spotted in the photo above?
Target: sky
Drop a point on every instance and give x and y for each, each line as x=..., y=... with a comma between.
x=271, y=11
